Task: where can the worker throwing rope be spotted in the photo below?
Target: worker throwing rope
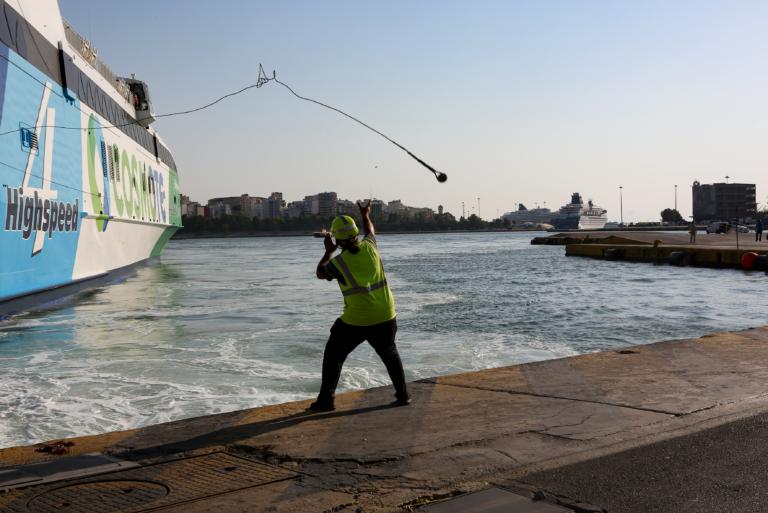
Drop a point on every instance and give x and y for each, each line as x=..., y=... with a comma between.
x=369, y=308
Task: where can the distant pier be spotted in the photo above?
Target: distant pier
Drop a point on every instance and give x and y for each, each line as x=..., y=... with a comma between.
x=710, y=250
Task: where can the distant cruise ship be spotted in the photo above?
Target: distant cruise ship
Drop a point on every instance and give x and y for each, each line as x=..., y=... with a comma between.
x=524, y=216
x=577, y=216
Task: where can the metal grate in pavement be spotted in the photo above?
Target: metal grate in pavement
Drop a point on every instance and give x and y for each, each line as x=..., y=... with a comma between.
x=99, y=496
x=147, y=488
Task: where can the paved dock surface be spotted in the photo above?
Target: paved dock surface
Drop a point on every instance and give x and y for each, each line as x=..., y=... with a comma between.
x=675, y=426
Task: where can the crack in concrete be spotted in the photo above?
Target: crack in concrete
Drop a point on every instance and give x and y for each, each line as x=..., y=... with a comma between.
x=505, y=453
x=339, y=507
x=267, y=454
x=563, y=398
x=544, y=433
x=579, y=423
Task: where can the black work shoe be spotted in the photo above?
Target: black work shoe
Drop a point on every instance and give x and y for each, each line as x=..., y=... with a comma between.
x=317, y=406
x=402, y=402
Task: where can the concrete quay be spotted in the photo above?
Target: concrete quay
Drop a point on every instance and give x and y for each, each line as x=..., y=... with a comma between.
x=710, y=250
x=676, y=426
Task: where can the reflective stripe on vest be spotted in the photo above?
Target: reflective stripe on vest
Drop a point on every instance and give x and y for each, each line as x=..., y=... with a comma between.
x=345, y=271
x=366, y=290
x=354, y=287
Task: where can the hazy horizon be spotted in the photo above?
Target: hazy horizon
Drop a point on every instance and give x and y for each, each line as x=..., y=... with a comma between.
x=516, y=101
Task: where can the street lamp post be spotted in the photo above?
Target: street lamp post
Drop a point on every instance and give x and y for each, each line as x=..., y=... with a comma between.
x=675, y=198
x=621, y=205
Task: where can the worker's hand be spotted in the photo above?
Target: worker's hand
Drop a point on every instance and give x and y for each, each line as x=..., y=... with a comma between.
x=330, y=246
x=364, y=209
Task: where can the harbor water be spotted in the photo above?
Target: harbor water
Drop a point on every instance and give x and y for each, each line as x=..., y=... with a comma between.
x=225, y=324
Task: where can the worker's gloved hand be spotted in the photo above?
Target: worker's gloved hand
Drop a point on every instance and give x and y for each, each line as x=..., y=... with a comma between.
x=330, y=246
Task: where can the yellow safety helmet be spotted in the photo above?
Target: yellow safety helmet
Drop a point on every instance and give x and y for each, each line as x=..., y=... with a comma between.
x=343, y=228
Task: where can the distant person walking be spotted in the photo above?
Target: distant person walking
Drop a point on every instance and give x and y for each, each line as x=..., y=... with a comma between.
x=369, y=308
x=692, y=232
x=759, y=230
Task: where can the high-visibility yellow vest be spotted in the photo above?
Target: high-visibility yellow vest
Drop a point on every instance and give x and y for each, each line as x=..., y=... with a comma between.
x=367, y=298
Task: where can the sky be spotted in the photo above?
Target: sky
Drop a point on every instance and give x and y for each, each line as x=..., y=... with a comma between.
x=516, y=101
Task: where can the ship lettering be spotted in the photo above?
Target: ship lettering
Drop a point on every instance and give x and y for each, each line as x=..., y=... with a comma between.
x=27, y=214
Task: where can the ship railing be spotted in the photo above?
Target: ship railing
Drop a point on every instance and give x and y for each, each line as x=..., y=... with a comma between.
x=91, y=55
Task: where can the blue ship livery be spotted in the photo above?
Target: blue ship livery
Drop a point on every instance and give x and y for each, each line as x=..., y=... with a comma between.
x=89, y=187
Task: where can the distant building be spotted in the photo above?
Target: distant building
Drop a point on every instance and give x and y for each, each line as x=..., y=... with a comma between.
x=377, y=209
x=395, y=207
x=724, y=201
x=421, y=214
x=191, y=208
x=230, y=205
x=294, y=209
x=327, y=204
x=219, y=208
x=252, y=206
x=275, y=205
x=311, y=205
x=324, y=205
x=346, y=207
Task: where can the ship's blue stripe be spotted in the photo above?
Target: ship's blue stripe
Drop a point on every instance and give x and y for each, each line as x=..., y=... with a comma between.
x=21, y=268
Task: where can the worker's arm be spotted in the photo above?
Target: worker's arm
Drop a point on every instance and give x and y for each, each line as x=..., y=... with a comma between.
x=330, y=249
x=365, y=211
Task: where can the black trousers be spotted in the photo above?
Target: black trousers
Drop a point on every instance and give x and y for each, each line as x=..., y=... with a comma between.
x=344, y=339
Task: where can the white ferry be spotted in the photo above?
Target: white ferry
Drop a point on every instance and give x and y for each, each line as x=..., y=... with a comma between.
x=89, y=187
x=578, y=216
x=523, y=216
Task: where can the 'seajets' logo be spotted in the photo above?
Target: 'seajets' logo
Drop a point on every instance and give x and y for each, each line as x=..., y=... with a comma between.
x=30, y=209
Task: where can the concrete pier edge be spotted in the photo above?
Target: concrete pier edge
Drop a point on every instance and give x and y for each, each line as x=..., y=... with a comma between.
x=507, y=427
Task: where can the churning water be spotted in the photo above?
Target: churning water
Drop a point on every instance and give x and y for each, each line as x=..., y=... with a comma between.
x=226, y=324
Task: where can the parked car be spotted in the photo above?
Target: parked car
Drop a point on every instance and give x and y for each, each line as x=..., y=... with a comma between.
x=742, y=229
x=718, y=227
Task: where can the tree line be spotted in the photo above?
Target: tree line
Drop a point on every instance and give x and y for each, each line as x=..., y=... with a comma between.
x=228, y=224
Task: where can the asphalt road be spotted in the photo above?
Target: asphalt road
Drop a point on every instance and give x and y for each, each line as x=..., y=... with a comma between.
x=718, y=470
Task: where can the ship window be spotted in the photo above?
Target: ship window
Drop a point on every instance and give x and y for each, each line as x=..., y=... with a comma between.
x=29, y=140
x=117, y=161
x=104, y=166
x=111, y=164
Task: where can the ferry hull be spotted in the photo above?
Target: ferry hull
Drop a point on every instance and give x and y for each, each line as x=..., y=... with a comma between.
x=78, y=201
